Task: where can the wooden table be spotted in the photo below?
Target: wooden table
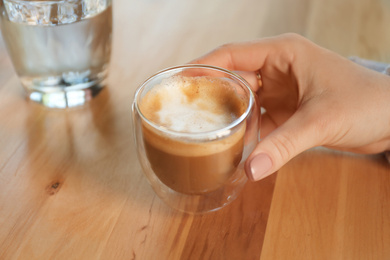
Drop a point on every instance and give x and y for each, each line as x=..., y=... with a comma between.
x=71, y=186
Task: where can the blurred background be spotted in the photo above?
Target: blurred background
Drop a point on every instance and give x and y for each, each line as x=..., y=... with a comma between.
x=343, y=26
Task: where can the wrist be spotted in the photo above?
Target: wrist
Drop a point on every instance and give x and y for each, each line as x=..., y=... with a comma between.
x=383, y=68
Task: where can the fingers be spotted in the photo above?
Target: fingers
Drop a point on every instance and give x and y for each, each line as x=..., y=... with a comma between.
x=248, y=56
x=274, y=57
x=275, y=54
x=281, y=145
x=267, y=125
x=251, y=78
x=251, y=56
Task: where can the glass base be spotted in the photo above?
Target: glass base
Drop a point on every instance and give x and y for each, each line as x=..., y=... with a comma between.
x=64, y=96
x=205, y=203
x=198, y=203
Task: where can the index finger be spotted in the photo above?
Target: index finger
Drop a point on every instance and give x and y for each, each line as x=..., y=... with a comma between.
x=246, y=56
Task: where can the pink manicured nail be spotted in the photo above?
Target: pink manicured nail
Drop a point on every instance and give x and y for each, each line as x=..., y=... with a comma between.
x=259, y=166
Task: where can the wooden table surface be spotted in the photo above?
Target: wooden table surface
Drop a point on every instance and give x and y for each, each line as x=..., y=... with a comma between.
x=71, y=186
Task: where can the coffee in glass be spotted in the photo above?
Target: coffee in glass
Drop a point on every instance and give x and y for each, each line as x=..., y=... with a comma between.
x=195, y=125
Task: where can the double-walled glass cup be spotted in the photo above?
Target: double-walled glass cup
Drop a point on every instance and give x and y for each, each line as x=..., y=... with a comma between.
x=197, y=171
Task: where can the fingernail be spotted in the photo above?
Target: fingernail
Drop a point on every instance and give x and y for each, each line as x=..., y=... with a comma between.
x=259, y=166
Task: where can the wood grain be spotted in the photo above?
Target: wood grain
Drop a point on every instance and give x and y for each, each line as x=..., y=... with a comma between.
x=321, y=211
x=71, y=186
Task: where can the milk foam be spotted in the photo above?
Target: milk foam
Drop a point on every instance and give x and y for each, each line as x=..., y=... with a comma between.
x=192, y=105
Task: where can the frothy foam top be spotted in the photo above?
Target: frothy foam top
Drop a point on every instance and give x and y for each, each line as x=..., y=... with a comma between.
x=192, y=104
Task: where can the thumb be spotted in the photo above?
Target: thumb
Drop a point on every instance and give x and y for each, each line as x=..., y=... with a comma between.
x=281, y=145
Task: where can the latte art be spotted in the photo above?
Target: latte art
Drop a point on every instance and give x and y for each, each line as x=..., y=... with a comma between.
x=192, y=105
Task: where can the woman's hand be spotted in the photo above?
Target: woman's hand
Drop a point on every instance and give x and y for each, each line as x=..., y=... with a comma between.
x=312, y=97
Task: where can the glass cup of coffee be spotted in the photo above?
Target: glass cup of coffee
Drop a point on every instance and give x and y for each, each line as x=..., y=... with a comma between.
x=60, y=49
x=195, y=126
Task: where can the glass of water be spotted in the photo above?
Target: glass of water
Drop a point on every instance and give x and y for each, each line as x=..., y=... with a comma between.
x=60, y=49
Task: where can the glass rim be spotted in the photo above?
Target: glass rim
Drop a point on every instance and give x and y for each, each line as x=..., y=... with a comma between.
x=214, y=134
